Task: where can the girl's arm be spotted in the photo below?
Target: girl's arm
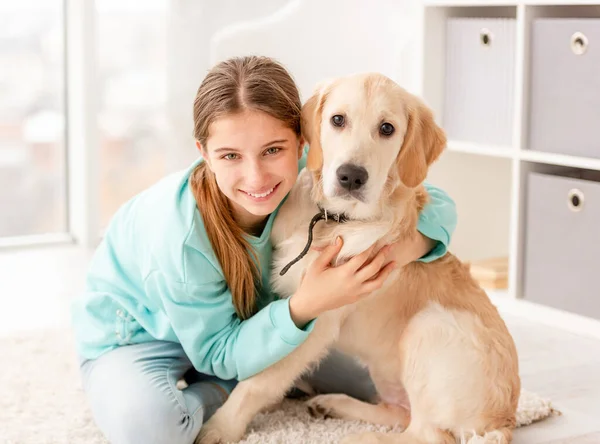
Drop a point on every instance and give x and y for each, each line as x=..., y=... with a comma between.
x=219, y=343
x=437, y=221
x=215, y=340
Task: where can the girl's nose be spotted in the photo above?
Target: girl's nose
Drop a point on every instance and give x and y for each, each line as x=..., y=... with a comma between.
x=256, y=174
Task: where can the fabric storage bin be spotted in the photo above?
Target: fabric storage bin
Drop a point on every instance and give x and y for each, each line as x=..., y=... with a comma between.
x=561, y=241
x=479, y=88
x=564, y=111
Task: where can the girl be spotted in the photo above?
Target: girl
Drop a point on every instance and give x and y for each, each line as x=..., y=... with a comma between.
x=179, y=286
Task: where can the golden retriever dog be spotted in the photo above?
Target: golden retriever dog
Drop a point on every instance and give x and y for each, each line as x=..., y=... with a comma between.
x=442, y=360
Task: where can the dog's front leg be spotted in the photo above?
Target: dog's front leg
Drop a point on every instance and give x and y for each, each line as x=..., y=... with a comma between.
x=268, y=387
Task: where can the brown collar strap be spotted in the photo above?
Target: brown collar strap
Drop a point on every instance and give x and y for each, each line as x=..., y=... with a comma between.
x=321, y=215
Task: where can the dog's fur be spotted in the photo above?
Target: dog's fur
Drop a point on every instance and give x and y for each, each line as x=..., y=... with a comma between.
x=443, y=362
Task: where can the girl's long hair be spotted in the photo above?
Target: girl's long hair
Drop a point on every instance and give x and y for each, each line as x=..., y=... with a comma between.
x=257, y=83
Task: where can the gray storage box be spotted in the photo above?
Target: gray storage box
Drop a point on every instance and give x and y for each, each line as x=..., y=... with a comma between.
x=480, y=71
x=565, y=87
x=562, y=266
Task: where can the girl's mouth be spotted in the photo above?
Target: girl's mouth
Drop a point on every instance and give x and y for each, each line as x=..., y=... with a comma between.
x=263, y=196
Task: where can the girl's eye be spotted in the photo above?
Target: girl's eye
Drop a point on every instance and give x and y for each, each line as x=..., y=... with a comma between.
x=230, y=156
x=273, y=150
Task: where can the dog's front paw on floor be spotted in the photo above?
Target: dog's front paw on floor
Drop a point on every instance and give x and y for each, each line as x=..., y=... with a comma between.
x=324, y=406
x=209, y=436
x=213, y=433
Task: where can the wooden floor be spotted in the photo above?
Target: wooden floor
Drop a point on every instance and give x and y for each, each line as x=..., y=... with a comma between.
x=37, y=285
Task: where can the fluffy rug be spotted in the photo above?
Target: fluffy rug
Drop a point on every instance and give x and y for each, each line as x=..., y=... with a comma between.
x=41, y=401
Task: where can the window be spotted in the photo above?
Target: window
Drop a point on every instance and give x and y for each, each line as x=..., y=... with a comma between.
x=32, y=118
x=132, y=114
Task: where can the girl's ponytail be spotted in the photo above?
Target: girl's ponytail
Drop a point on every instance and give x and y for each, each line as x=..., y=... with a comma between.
x=238, y=261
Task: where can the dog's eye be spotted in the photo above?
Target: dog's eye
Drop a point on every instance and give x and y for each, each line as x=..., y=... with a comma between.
x=337, y=120
x=386, y=129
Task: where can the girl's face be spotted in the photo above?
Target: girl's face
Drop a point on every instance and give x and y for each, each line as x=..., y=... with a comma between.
x=254, y=157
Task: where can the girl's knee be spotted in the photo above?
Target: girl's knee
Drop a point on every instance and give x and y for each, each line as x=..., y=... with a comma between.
x=134, y=400
x=142, y=420
x=132, y=410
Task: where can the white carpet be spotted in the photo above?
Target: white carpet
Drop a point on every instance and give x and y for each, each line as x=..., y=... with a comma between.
x=41, y=401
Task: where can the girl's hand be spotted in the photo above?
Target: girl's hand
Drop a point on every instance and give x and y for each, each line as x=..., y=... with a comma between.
x=325, y=287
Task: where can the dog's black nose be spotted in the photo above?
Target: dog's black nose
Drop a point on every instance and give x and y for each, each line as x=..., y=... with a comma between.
x=351, y=177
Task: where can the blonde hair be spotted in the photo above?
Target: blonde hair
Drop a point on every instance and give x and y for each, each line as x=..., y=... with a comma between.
x=257, y=83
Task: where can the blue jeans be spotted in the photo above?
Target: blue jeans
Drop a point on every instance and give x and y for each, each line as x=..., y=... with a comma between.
x=133, y=396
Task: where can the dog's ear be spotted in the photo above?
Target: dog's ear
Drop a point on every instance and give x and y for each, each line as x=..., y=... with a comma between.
x=423, y=143
x=311, y=130
x=311, y=126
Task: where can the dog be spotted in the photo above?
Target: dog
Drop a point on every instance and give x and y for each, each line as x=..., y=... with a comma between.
x=444, y=364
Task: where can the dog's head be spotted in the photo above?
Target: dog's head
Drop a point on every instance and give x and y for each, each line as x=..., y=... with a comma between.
x=366, y=132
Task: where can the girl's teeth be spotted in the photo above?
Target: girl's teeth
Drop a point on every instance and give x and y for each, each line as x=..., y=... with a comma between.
x=261, y=195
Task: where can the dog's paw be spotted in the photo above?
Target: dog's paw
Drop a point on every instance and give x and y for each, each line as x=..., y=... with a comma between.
x=209, y=435
x=213, y=432
x=323, y=406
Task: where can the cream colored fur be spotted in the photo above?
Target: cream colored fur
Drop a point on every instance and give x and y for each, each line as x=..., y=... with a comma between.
x=443, y=362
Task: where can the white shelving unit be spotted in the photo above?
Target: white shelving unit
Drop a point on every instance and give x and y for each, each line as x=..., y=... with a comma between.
x=488, y=182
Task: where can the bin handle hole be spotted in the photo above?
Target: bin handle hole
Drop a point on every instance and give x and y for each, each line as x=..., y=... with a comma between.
x=579, y=43
x=485, y=37
x=575, y=200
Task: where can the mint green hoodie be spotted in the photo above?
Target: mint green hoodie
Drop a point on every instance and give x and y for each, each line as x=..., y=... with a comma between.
x=155, y=276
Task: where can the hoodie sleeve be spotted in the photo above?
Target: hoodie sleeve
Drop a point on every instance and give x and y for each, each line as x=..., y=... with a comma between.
x=437, y=221
x=215, y=339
